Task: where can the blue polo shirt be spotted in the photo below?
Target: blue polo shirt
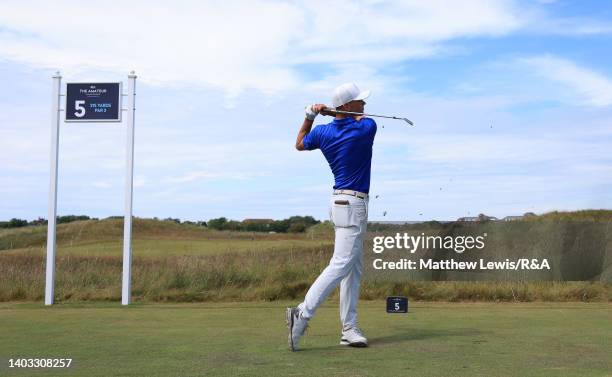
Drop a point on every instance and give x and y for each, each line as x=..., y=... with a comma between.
x=347, y=147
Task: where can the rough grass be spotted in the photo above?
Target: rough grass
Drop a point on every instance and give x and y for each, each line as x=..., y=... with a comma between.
x=583, y=215
x=111, y=230
x=244, y=276
x=230, y=276
x=175, y=247
x=187, y=263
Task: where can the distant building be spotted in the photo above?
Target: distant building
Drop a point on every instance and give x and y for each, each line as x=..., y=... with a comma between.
x=481, y=217
x=468, y=219
x=513, y=218
x=257, y=221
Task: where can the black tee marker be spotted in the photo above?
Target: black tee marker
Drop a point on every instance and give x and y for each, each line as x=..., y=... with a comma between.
x=397, y=304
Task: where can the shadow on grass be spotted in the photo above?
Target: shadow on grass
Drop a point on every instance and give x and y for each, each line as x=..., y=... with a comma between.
x=409, y=335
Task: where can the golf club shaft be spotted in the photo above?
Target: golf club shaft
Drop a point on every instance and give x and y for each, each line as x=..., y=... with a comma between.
x=370, y=115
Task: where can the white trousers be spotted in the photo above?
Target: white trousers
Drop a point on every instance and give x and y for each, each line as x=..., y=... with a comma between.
x=350, y=217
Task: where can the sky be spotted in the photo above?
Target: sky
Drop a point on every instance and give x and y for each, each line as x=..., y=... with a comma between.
x=512, y=102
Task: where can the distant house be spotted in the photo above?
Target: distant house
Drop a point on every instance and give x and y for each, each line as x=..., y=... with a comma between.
x=257, y=221
x=468, y=219
x=513, y=218
x=481, y=217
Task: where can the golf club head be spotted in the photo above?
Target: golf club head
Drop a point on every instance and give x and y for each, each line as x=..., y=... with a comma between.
x=408, y=121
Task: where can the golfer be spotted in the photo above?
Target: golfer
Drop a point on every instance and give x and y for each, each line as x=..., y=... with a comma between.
x=346, y=143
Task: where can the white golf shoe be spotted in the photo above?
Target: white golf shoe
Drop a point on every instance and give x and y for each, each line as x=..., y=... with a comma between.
x=353, y=337
x=296, y=325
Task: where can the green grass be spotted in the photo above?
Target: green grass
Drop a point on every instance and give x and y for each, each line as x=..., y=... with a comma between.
x=179, y=247
x=250, y=276
x=249, y=339
x=111, y=230
x=186, y=263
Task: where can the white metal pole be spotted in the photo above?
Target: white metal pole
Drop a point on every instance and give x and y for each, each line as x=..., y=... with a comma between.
x=126, y=296
x=51, y=223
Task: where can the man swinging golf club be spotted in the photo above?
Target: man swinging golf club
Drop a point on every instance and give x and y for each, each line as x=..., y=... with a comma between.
x=346, y=143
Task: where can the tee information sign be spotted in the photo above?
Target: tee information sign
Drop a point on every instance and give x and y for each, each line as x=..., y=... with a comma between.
x=93, y=102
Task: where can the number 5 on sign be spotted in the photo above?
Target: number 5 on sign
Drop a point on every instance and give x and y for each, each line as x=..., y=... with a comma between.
x=80, y=109
x=397, y=304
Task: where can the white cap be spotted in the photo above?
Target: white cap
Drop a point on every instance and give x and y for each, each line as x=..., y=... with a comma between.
x=348, y=92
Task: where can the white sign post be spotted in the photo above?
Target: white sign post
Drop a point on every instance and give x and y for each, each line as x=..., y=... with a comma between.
x=91, y=102
x=55, y=123
x=126, y=293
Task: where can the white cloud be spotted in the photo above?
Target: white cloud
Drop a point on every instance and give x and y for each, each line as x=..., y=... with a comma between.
x=592, y=87
x=238, y=45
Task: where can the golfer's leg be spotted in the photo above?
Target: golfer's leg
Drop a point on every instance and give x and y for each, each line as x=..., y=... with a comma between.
x=349, y=287
x=339, y=267
x=349, y=294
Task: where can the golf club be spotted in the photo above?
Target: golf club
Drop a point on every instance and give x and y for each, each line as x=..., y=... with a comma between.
x=370, y=115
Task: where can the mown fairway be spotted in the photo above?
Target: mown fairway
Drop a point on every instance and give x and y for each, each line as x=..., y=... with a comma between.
x=234, y=339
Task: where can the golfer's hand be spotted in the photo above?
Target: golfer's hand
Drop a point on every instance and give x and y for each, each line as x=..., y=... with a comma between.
x=313, y=110
x=325, y=110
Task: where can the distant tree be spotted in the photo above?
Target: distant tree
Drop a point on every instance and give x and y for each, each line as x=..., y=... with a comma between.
x=292, y=224
x=280, y=226
x=257, y=226
x=297, y=228
x=178, y=221
x=71, y=218
x=306, y=220
x=218, y=224
x=16, y=223
x=233, y=225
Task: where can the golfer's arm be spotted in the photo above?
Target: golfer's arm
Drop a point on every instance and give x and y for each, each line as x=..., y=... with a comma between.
x=306, y=126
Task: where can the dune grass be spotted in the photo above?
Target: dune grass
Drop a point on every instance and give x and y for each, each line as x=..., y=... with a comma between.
x=246, y=276
x=144, y=248
x=186, y=263
x=111, y=230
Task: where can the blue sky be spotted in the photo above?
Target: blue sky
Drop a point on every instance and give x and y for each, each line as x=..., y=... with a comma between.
x=511, y=100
